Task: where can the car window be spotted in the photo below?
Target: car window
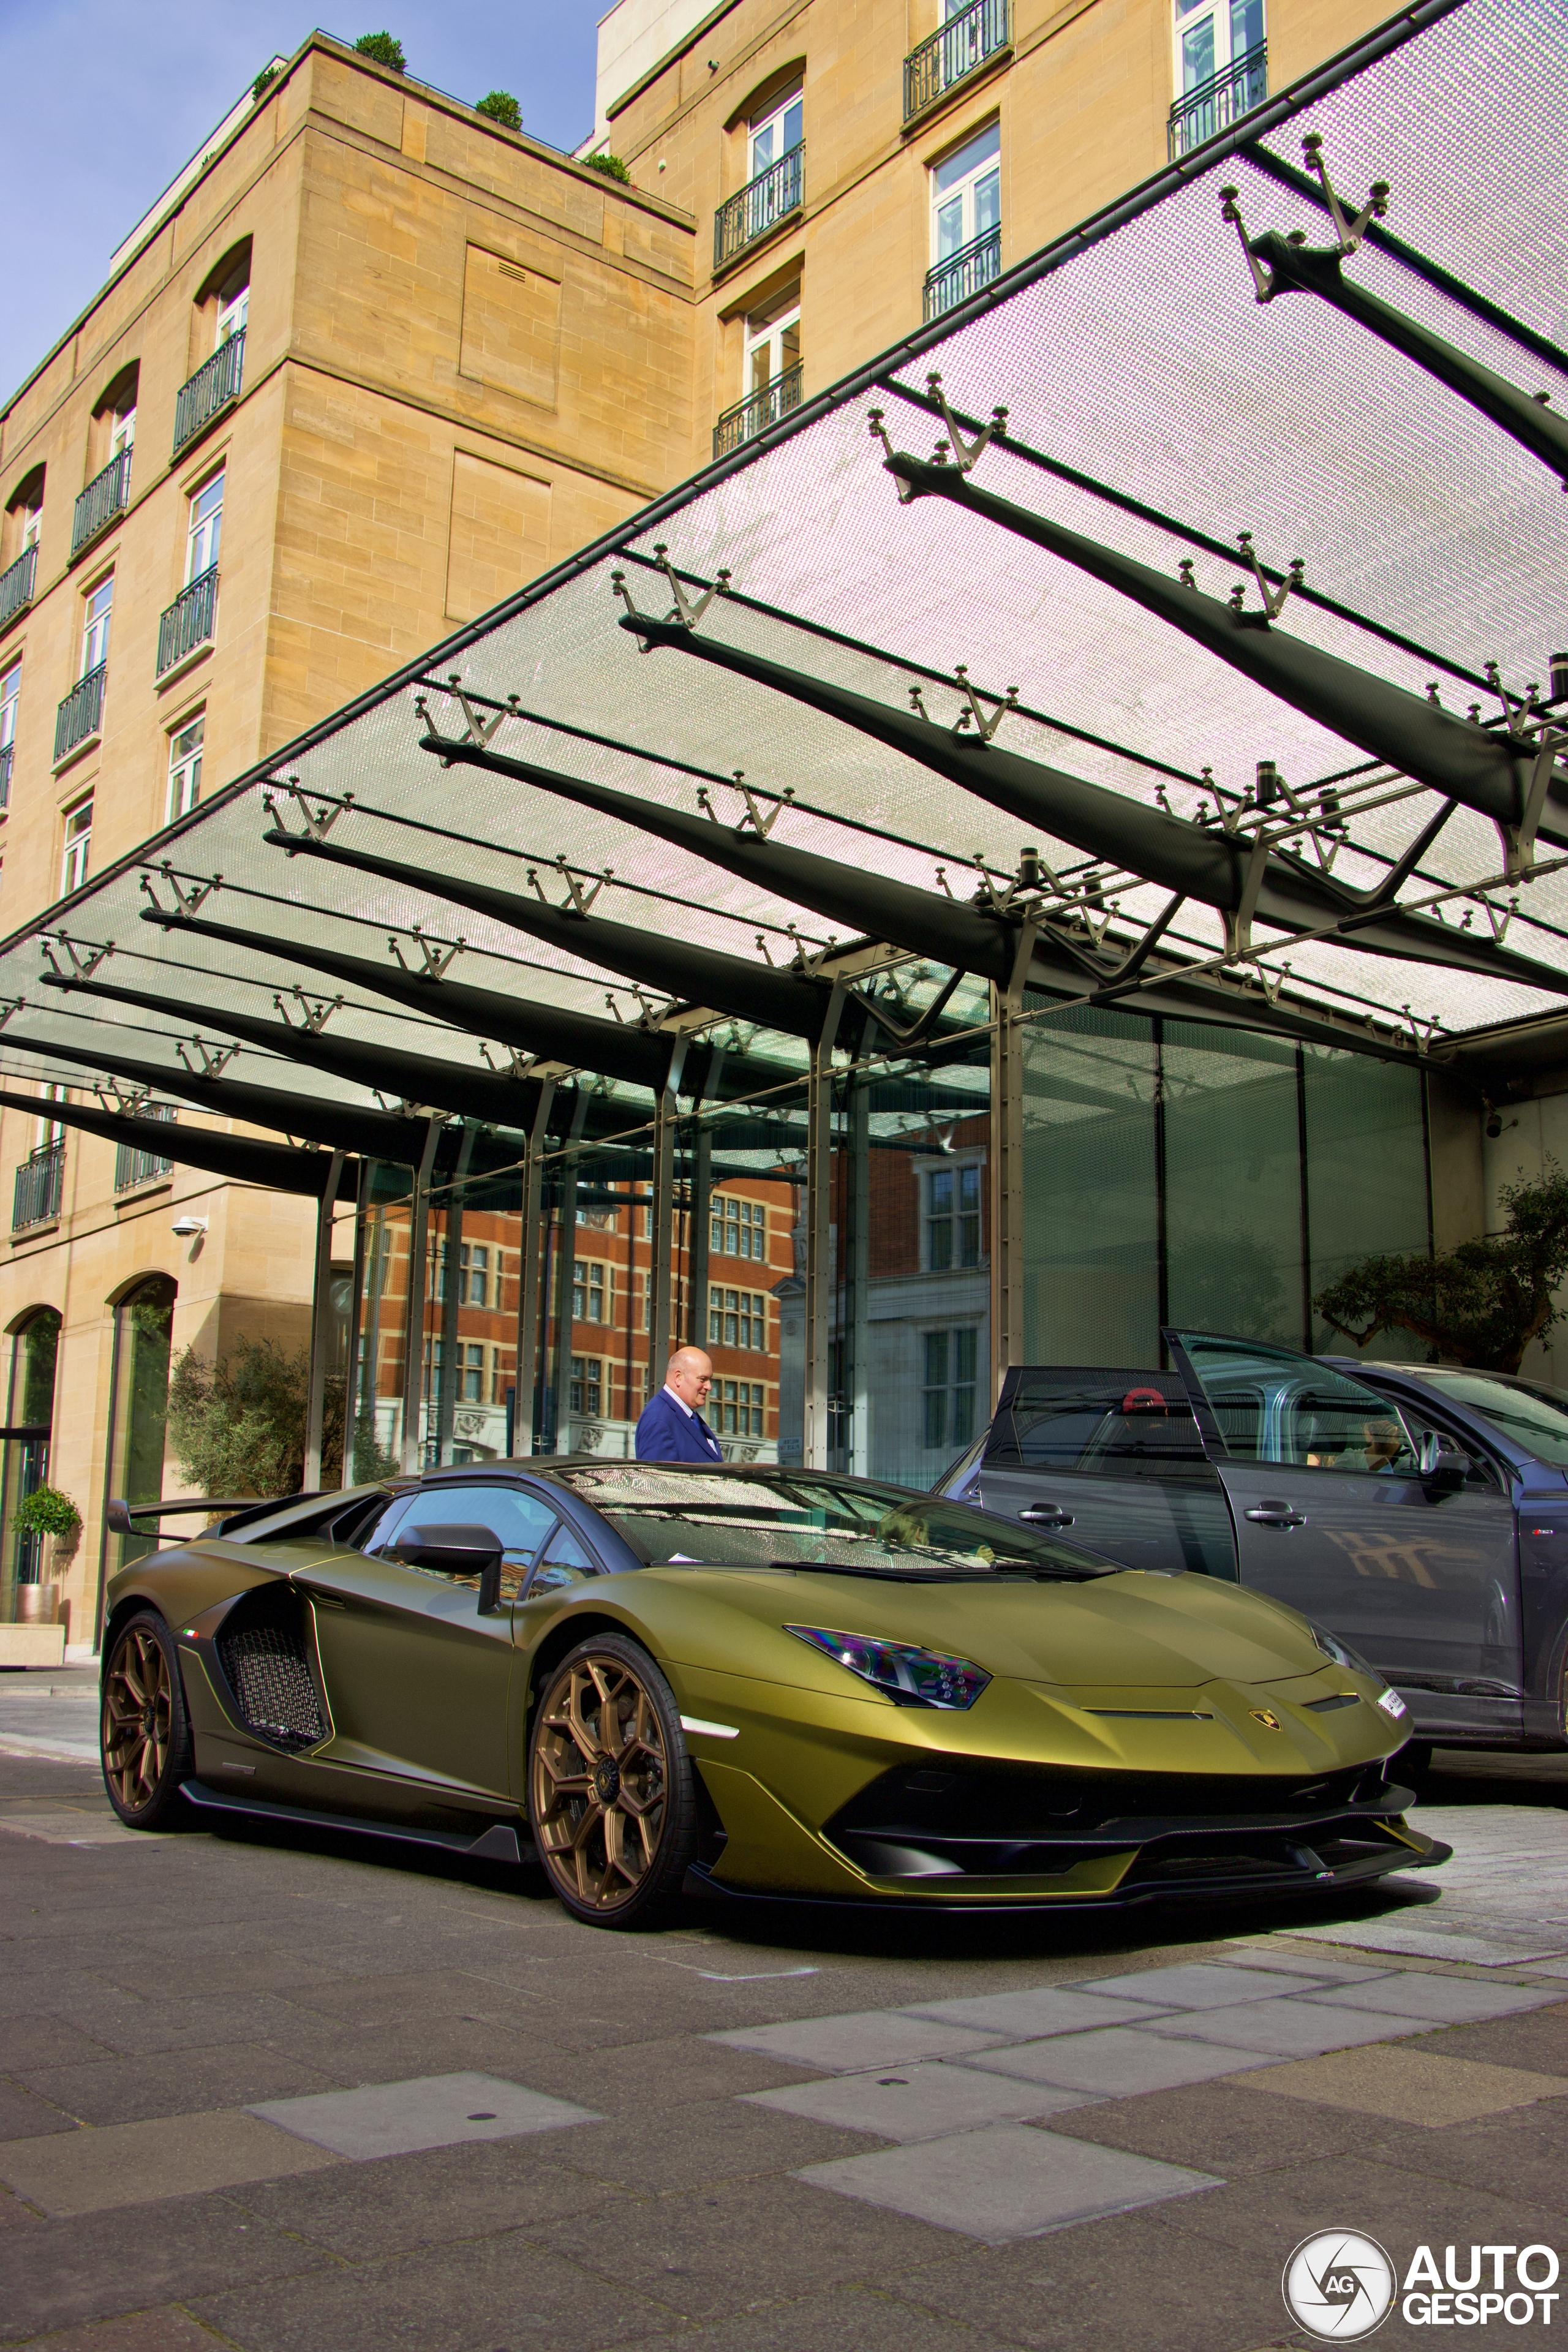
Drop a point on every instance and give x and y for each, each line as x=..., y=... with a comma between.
x=1273, y=1405
x=1111, y=1424
x=1532, y=1414
x=566, y=1561
x=1424, y=1430
x=698, y=1519
x=518, y=1521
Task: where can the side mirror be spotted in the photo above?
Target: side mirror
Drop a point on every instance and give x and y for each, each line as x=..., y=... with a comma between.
x=117, y=1517
x=458, y=1552
x=1443, y=1467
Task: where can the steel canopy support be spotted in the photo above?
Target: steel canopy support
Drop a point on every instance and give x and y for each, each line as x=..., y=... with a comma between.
x=452, y=1299
x=418, y=1251
x=817, y=1432
x=1007, y=1037
x=276, y=1166
x=522, y=1413
x=566, y=1281
x=321, y=1330
x=356, y=1310
x=662, y=1316
x=1218, y=868
x=1453, y=756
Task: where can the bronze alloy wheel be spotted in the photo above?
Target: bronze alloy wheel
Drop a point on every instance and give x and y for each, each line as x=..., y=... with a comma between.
x=611, y=1794
x=145, y=1737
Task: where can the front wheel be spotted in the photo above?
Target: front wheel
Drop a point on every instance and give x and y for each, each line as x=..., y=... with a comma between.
x=611, y=1792
x=144, y=1733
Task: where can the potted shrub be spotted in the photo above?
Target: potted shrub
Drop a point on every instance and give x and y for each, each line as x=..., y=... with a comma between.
x=46, y=1512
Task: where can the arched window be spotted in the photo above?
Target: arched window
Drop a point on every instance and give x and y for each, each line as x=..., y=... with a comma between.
x=29, y=1418
x=24, y=517
x=139, y=1410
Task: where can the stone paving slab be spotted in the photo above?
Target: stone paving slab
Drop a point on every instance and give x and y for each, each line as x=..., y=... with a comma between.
x=1117, y=2061
x=1447, y=2001
x=1028, y=2016
x=924, y=2101
x=1008, y=2182
x=1202, y=1986
x=434, y=2111
x=1292, y=2029
x=136, y=2164
x=853, y=2044
x=1411, y=2086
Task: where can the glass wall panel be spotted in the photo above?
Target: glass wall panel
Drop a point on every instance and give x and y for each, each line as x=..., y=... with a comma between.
x=909, y=1379
x=1233, y=1184
x=1366, y=1176
x=139, y=1411
x=1091, y=1211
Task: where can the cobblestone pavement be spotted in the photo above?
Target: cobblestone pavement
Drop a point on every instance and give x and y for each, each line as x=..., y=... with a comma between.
x=290, y=2094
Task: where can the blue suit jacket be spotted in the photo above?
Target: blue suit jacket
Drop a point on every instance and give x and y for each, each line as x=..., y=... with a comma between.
x=664, y=1433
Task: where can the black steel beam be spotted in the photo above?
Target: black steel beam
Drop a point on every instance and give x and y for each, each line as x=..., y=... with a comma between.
x=1463, y=761
x=238, y=1157
x=342, y=1127
x=785, y=1000
x=1303, y=270
x=1200, y=862
x=414, y=1078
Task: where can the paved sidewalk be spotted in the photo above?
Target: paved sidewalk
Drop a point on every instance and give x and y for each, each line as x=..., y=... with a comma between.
x=289, y=2095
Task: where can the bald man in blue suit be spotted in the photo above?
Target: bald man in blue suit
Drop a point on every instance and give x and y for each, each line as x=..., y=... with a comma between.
x=672, y=1428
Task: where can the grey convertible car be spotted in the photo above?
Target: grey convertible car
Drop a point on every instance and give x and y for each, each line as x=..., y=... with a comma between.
x=1419, y=1512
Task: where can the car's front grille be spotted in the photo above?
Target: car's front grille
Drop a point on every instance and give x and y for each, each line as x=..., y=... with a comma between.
x=261, y=1649
x=952, y=1799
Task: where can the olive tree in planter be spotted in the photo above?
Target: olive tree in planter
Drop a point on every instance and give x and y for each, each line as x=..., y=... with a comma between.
x=238, y=1427
x=1481, y=1304
x=48, y=1512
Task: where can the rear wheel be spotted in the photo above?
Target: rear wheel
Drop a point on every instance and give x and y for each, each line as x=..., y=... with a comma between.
x=611, y=1790
x=144, y=1732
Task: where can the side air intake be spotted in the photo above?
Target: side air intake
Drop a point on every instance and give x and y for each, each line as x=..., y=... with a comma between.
x=262, y=1651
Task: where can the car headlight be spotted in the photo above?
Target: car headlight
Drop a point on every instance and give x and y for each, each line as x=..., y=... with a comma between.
x=1342, y=1654
x=909, y=1676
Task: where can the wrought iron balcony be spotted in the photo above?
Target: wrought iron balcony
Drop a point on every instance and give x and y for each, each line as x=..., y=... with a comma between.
x=963, y=274
x=107, y=494
x=188, y=622
x=133, y=1165
x=212, y=387
x=759, y=205
x=38, y=1184
x=81, y=715
x=16, y=583
x=960, y=48
x=7, y=760
x=749, y=417
x=1198, y=114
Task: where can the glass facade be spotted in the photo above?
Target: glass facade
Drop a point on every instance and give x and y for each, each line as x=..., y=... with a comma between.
x=830, y=1240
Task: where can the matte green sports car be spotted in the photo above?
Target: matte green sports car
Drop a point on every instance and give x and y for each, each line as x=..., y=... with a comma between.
x=746, y=1682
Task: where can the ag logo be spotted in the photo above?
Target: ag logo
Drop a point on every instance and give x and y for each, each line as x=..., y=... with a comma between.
x=1340, y=2286
x=1267, y=1717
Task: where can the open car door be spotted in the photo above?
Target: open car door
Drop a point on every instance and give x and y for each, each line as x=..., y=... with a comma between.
x=1413, y=1563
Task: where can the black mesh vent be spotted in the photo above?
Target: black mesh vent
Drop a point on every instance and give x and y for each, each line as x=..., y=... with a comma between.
x=270, y=1678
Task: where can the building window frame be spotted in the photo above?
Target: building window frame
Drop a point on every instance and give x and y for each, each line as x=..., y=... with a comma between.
x=776, y=129
x=737, y=1318
x=950, y=1385
x=10, y=700
x=98, y=612
x=77, y=854
x=204, y=526
x=187, y=744
x=738, y=1228
x=585, y=1387
x=966, y=193
x=593, y=1290
x=952, y=1216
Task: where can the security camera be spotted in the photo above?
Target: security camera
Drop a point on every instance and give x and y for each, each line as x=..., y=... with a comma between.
x=187, y=1228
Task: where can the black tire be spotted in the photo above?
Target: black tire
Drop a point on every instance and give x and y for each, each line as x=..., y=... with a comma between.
x=611, y=1795
x=144, y=1733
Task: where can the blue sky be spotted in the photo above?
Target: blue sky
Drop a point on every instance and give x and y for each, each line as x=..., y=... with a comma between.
x=100, y=104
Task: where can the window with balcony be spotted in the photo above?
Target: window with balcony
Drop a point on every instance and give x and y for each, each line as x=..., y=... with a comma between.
x=134, y=1165
x=776, y=178
x=966, y=222
x=10, y=697
x=952, y=1217
x=222, y=312
x=1221, y=68
x=773, y=373
x=186, y=768
x=78, y=849
x=110, y=443
x=971, y=33
x=24, y=519
x=188, y=623
x=233, y=306
x=81, y=715
x=98, y=612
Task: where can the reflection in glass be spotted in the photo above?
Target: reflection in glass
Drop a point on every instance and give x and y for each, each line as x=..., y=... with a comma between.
x=139, y=1410
x=34, y=1351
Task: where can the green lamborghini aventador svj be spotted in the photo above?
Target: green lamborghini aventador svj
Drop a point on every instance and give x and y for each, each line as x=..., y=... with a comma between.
x=743, y=1683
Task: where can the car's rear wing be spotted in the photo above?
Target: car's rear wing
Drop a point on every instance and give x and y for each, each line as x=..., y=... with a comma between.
x=120, y=1516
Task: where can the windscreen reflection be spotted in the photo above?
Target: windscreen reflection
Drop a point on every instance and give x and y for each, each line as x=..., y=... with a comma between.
x=700, y=1518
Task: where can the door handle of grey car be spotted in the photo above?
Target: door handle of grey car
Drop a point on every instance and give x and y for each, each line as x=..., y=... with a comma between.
x=1045, y=1514
x=1277, y=1515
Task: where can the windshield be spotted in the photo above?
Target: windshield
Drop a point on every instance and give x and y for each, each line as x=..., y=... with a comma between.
x=1535, y=1418
x=703, y=1519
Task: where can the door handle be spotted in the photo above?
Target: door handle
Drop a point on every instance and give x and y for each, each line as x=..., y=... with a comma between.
x=1277, y=1515
x=1046, y=1515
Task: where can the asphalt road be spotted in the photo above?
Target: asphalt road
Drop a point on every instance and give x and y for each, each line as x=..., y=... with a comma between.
x=439, y=2114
